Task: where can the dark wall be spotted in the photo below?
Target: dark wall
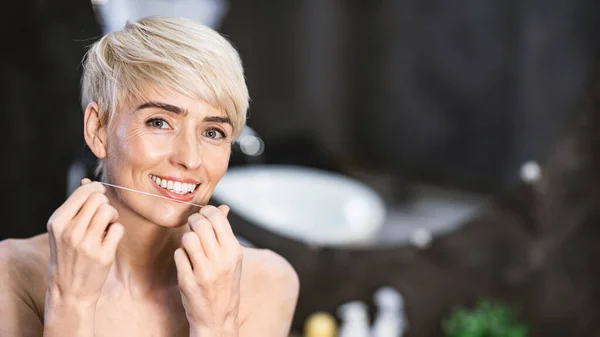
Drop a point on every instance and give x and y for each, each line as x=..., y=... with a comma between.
x=43, y=44
x=460, y=92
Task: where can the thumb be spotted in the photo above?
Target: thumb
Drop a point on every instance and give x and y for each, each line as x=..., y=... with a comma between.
x=85, y=181
x=224, y=209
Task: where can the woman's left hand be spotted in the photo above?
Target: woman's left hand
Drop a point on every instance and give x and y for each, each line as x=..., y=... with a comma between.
x=209, y=267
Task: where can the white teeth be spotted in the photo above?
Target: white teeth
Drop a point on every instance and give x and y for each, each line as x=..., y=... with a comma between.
x=174, y=186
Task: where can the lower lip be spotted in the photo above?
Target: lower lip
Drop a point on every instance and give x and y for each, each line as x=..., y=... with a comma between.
x=180, y=197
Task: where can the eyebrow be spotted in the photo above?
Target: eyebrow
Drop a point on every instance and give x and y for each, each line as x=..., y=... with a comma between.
x=218, y=119
x=163, y=106
x=180, y=111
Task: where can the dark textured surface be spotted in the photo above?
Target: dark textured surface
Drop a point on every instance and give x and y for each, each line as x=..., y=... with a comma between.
x=459, y=93
x=536, y=247
x=43, y=44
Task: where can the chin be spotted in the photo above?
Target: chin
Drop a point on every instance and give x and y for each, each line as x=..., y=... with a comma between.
x=169, y=216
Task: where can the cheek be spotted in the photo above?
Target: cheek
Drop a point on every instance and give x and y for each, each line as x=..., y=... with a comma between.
x=216, y=162
x=131, y=147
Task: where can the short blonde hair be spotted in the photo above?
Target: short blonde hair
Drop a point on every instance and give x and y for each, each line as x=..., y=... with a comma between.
x=169, y=53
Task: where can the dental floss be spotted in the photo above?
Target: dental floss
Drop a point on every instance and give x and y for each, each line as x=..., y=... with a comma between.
x=150, y=194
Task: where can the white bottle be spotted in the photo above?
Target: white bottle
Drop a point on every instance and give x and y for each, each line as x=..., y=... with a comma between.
x=390, y=319
x=354, y=319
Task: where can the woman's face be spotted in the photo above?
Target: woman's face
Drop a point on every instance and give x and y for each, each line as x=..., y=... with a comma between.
x=169, y=145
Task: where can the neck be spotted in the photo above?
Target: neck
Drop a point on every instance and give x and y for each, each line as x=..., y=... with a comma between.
x=144, y=261
x=146, y=253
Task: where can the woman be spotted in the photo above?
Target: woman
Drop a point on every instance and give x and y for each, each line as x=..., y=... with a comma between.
x=164, y=98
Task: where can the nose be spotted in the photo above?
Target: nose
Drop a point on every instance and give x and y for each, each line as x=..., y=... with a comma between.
x=187, y=152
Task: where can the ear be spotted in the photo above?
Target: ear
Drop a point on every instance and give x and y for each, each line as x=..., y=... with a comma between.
x=94, y=130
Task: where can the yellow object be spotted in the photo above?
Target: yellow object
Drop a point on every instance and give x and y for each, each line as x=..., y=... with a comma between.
x=320, y=324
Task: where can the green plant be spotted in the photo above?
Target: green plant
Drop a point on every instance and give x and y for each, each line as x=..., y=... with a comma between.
x=487, y=319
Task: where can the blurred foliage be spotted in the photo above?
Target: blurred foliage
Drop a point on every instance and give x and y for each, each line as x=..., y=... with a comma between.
x=487, y=319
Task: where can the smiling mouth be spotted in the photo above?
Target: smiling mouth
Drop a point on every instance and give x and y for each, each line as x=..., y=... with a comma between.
x=175, y=187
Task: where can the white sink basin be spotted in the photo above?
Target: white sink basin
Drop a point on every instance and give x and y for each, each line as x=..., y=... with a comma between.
x=313, y=206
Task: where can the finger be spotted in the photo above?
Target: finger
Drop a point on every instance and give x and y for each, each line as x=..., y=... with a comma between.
x=113, y=237
x=224, y=209
x=182, y=263
x=220, y=224
x=104, y=216
x=71, y=207
x=85, y=181
x=193, y=248
x=85, y=215
x=208, y=239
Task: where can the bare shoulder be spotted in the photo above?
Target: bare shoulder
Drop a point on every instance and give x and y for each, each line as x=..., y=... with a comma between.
x=24, y=255
x=265, y=268
x=268, y=280
x=23, y=265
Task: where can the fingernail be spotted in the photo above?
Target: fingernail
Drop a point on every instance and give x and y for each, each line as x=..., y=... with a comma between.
x=101, y=185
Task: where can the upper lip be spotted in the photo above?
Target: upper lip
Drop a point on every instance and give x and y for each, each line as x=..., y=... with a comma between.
x=182, y=180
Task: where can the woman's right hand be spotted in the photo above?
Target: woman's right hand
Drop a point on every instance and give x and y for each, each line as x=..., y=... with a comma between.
x=83, y=242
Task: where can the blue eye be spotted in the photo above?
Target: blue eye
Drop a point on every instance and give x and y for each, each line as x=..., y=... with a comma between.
x=214, y=134
x=158, y=123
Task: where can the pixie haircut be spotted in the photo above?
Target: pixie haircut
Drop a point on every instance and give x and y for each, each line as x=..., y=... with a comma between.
x=169, y=54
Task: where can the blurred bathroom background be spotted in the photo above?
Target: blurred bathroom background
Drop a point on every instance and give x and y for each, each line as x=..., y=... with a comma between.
x=389, y=143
